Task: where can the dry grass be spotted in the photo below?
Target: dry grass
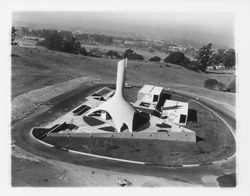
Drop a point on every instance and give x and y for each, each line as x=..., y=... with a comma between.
x=35, y=68
x=144, y=52
x=25, y=104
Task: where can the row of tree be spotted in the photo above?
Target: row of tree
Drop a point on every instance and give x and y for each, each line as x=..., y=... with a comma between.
x=67, y=42
x=100, y=38
x=62, y=41
x=207, y=57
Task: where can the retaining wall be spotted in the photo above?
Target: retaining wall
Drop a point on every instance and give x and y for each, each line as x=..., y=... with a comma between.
x=171, y=136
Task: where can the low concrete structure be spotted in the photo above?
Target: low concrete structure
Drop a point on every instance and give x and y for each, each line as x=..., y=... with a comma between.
x=175, y=111
x=148, y=97
x=149, y=94
x=170, y=136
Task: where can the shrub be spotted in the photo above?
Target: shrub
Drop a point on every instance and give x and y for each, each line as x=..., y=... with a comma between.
x=155, y=58
x=113, y=54
x=177, y=58
x=131, y=55
x=213, y=84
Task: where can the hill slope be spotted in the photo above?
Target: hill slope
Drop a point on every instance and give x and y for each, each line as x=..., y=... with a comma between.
x=34, y=68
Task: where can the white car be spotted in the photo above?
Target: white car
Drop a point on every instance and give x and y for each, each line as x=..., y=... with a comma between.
x=127, y=85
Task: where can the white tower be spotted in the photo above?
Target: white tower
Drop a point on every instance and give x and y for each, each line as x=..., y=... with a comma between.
x=118, y=108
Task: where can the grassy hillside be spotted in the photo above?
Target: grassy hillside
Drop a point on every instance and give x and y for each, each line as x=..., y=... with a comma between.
x=34, y=68
x=144, y=52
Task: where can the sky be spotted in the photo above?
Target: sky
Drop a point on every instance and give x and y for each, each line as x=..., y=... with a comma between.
x=217, y=27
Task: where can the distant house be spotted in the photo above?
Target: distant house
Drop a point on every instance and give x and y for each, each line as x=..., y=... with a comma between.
x=220, y=66
x=210, y=68
x=176, y=49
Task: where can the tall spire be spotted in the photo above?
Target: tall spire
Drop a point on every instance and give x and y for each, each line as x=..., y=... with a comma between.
x=121, y=67
x=118, y=108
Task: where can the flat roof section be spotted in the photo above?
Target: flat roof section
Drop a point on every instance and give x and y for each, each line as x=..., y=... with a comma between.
x=149, y=89
x=171, y=106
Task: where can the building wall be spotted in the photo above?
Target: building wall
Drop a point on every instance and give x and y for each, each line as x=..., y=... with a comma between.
x=170, y=136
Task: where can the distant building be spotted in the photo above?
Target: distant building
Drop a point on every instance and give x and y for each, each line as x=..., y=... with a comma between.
x=175, y=111
x=177, y=49
x=210, y=68
x=220, y=66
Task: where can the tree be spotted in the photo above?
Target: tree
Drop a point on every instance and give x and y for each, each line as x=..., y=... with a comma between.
x=113, y=54
x=83, y=51
x=77, y=47
x=155, y=58
x=229, y=58
x=54, y=41
x=130, y=54
x=204, y=56
x=177, y=58
x=24, y=31
x=62, y=41
x=135, y=56
x=213, y=84
x=217, y=57
x=13, y=35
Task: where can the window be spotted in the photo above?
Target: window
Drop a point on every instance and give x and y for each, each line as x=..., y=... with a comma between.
x=183, y=118
x=155, y=99
x=143, y=104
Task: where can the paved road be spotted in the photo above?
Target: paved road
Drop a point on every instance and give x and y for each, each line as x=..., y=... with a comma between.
x=21, y=136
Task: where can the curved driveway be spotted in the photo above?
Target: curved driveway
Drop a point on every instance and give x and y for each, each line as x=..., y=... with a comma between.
x=22, y=138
